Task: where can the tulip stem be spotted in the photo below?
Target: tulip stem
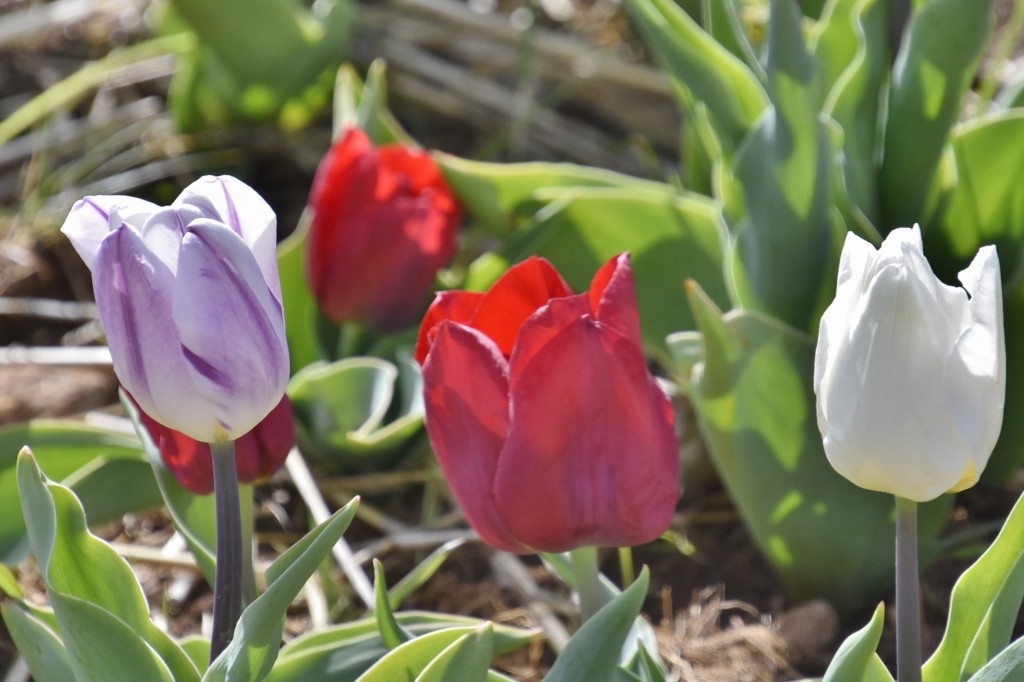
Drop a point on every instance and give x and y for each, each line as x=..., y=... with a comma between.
x=588, y=581
x=626, y=566
x=228, y=582
x=908, y=605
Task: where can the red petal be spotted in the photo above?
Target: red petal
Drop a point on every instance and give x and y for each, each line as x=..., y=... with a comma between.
x=514, y=297
x=466, y=404
x=591, y=457
x=613, y=297
x=456, y=306
x=263, y=450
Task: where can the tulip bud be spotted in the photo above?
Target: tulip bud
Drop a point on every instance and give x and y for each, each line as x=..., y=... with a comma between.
x=384, y=222
x=542, y=413
x=190, y=302
x=258, y=453
x=910, y=373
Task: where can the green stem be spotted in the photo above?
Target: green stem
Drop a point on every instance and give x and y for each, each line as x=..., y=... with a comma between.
x=626, y=566
x=588, y=581
x=908, y=605
x=248, y=564
x=228, y=583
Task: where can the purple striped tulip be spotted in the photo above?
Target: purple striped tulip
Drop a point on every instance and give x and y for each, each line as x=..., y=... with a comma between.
x=190, y=301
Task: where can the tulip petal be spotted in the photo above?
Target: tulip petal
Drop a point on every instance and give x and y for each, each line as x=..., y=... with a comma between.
x=466, y=401
x=456, y=306
x=134, y=294
x=89, y=221
x=523, y=289
x=233, y=203
x=613, y=297
x=234, y=342
x=591, y=456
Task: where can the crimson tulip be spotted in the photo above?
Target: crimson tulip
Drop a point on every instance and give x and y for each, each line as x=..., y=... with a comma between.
x=384, y=222
x=258, y=453
x=550, y=429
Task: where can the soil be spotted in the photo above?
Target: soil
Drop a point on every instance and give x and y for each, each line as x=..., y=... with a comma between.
x=718, y=609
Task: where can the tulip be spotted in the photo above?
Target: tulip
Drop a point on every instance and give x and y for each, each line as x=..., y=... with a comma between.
x=384, y=222
x=258, y=454
x=910, y=373
x=551, y=431
x=190, y=301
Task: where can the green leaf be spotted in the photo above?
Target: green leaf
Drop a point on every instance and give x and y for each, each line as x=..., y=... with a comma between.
x=95, y=596
x=856, y=660
x=933, y=70
x=467, y=658
x=107, y=470
x=983, y=606
x=252, y=652
x=784, y=233
x=706, y=70
x=38, y=644
x=421, y=573
x=1006, y=667
x=594, y=650
x=755, y=403
x=300, y=308
x=281, y=67
x=341, y=411
x=500, y=195
x=390, y=631
x=647, y=668
x=407, y=661
x=670, y=236
x=364, y=105
x=722, y=21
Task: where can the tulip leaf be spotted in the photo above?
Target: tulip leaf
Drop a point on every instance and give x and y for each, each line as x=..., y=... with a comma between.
x=671, y=236
x=501, y=196
x=703, y=68
x=594, y=649
x=38, y=644
x=856, y=660
x=280, y=68
x=936, y=63
x=983, y=606
x=722, y=21
x=467, y=658
x=300, y=308
x=785, y=227
x=756, y=407
x=96, y=598
x=1006, y=667
x=407, y=661
x=390, y=631
x=251, y=654
x=364, y=105
x=341, y=409
x=92, y=461
x=421, y=573
x=341, y=653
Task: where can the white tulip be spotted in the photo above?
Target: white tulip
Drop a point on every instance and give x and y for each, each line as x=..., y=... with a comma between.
x=910, y=373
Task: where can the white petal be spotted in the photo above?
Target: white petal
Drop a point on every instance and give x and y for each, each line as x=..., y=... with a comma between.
x=90, y=221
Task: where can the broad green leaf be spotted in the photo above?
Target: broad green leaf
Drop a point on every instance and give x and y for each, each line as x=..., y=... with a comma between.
x=341, y=411
x=38, y=644
x=670, y=236
x=1006, y=457
x=647, y=668
x=500, y=195
x=856, y=660
x=1006, y=667
x=300, y=307
x=407, y=661
x=83, y=457
x=784, y=235
x=722, y=21
x=703, y=67
x=341, y=653
x=854, y=96
x=756, y=408
x=983, y=606
x=594, y=649
x=252, y=652
x=392, y=634
x=95, y=596
x=933, y=70
x=468, y=658
x=281, y=67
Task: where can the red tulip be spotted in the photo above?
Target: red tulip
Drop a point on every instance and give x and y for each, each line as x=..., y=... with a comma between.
x=384, y=222
x=258, y=453
x=539, y=405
